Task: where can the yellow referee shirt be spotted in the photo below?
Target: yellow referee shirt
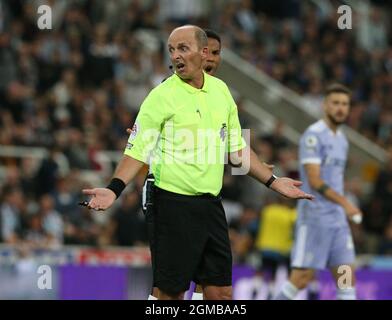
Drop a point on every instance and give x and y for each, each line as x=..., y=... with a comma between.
x=184, y=133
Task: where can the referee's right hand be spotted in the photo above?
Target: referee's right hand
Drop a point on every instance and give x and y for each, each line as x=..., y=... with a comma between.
x=101, y=198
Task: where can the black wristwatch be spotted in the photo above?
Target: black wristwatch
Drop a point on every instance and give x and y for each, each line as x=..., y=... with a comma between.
x=270, y=180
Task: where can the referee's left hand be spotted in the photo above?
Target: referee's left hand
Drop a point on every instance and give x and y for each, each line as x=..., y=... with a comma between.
x=290, y=189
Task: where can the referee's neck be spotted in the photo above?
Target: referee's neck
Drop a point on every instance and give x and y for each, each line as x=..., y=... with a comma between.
x=197, y=81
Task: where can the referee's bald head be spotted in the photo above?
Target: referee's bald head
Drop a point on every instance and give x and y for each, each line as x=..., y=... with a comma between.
x=199, y=34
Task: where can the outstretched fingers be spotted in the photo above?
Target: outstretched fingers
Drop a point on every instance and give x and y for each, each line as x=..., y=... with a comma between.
x=297, y=183
x=307, y=196
x=95, y=206
x=301, y=195
x=92, y=204
x=89, y=192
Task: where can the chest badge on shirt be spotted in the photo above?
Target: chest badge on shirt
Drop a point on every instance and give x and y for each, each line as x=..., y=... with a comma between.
x=134, y=132
x=223, y=132
x=311, y=143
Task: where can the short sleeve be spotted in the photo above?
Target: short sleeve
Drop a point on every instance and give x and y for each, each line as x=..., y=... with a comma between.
x=147, y=128
x=310, y=149
x=235, y=140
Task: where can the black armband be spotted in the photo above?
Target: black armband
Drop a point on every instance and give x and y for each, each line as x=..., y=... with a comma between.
x=117, y=186
x=270, y=180
x=323, y=189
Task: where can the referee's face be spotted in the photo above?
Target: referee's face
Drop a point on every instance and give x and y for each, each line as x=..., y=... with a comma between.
x=186, y=55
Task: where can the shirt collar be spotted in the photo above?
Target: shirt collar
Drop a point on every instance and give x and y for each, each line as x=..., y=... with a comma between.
x=338, y=131
x=192, y=89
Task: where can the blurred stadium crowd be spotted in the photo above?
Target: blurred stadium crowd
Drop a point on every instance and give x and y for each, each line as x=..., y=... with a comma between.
x=74, y=90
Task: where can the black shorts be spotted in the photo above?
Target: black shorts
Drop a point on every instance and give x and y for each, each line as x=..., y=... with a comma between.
x=149, y=216
x=189, y=242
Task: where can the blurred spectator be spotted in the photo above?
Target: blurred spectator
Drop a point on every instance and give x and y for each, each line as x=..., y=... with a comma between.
x=52, y=223
x=8, y=63
x=314, y=99
x=49, y=172
x=35, y=235
x=101, y=57
x=11, y=215
x=76, y=150
x=127, y=224
x=82, y=229
x=181, y=11
x=242, y=232
x=380, y=207
x=63, y=92
x=372, y=31
x=66, y=198
x=246, y=17
x=43, y=226
x=275, y=237
x=132, y=73
x=385, y=247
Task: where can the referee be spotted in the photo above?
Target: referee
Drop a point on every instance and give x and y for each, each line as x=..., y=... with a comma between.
x=186, y=199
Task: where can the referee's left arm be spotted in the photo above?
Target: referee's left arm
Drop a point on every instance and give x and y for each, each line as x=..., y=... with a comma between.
x=242, y=155
x=248, y=159
x=261, y=172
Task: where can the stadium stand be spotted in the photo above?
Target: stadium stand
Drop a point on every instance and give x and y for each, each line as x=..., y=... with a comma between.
x=67, y=96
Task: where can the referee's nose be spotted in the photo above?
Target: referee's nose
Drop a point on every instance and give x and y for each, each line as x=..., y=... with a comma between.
x=175, y=56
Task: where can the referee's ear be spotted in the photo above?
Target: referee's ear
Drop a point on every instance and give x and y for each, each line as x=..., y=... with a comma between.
x=204, y=53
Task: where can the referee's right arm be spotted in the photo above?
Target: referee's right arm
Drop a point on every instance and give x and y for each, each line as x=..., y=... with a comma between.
x=141, y=141
x=103, y=198
x=127, y=168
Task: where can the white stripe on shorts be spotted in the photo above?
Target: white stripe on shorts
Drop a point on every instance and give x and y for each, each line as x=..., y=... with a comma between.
x=300, y=247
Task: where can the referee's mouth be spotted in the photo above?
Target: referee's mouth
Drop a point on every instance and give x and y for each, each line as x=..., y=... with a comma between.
x=180, y=67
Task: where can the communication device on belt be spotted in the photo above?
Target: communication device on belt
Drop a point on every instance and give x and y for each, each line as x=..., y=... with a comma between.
x=148, y=192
